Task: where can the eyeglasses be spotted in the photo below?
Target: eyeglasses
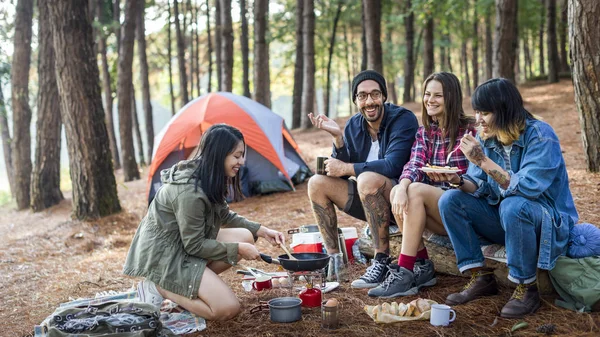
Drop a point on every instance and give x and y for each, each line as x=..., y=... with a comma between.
x=362, y=96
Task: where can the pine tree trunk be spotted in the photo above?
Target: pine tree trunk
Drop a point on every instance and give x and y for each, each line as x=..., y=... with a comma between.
x=428, y=60
x=209, y=47
x=192, y=67
x=542, y=64
x=21, y=142
x=148, y=117
x=117, y=20
x=6, y=141
x=464, y=61
x=409, y=65
x=245, y=50
x=372, y=10
x=92, y=177
x=298, y=67
x=124, y=88
x=137, y=135
x=308, y=85
x=475, y=47
x=331, y=48
x=552, y=47
x=181, y=56
x=262, y=75
x=506, y=41
x=169, y=53
x=583, y=16
x=348, y=68
x=226, y=46
x=218, y=43
x=562, y=37
x=45, y=178
x=197, y=40
x=363, y=39
x=489, y=48
x=527, y=51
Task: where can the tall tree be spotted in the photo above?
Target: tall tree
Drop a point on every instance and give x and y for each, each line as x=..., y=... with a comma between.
x=45, y=178
x=308, y=84
x=6, y=140
x=92, y=177
x=562, y=37
x=218, y=43
x=181, y=55
x=298, y=67
x=541, y=38
x=106, y=82
x=428, y=61
x=506, y=41
x=209, y=48
x=475, y=47
x=331, y=48
x=245, y=50
x=262, y=75
x=141, y=40
x=169, y=53
x=552, y=46
x=372, y=10
x=409, y=62
x=584, y=19
x=21, y=142
x=124, y=91
x=135, y=123
x=192, y=57
x=226, y=46
x=489, y=47
x=363, y=39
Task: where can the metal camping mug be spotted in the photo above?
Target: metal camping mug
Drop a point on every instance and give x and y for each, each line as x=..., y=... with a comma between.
x=321, y=165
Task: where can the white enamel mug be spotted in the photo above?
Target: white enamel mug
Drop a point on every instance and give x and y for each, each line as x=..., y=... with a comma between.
x=440, y=315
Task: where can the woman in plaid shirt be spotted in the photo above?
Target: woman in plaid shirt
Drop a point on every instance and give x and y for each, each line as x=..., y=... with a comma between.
x=415, y=199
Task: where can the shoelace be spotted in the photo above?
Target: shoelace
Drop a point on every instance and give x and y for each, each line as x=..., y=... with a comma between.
x=519, y=292
x=374, y=270
x=474, y=277
x=391, y=277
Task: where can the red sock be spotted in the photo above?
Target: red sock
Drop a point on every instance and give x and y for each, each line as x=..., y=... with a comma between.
x=406, y=261
x=422, y=254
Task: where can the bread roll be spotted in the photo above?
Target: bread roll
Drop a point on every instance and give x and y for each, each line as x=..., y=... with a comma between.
x=386, y=308
x=423, y=305
x=402, y=309
x=394, y=308
x=411, y=311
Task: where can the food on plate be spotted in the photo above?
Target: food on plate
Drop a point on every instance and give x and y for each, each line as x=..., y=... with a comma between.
x=435, y=167
x=413, y=309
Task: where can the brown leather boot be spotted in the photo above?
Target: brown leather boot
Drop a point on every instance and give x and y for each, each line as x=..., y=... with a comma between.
x=482, y=283
x=525, y=300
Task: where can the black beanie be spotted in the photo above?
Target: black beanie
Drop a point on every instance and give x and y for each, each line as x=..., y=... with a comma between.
x=369, y=75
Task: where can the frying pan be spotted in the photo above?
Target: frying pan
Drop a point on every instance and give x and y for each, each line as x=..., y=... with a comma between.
x=304, y=262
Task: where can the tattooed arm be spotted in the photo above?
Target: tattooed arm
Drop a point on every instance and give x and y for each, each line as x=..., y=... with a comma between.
x=474, y=153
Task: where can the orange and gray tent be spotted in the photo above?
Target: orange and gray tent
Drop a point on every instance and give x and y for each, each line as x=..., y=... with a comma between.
x=272, y=160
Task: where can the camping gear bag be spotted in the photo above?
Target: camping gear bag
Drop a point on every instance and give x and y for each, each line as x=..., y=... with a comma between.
x=577, y=281
x=113, y=318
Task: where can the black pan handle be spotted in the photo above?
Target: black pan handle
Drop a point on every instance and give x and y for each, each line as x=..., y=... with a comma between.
x=269, y=259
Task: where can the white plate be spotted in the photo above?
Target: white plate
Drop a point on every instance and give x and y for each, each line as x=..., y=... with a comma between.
x=436, y=170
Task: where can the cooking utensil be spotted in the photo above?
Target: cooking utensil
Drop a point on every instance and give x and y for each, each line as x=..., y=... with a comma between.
x=304, y=262
x=458, y=148
x=281, y=309
x=287, y=251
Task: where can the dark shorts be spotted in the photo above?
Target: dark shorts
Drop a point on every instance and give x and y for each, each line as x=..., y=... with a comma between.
x=354, y=206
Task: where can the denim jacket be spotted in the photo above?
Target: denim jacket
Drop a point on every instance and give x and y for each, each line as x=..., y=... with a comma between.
x=537, y=172
x=396, y=135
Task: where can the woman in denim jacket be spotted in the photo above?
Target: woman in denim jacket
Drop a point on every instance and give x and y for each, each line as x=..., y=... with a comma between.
x=515, y=193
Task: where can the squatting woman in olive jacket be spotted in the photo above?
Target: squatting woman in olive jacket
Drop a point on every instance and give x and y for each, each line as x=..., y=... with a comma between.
x=189, y=235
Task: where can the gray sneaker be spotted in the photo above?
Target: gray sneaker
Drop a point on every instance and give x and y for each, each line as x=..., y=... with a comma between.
x=374, y=275
x=424, y=273
x=399, y=282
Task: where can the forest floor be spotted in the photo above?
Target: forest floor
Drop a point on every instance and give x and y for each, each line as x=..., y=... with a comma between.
x=46, y=258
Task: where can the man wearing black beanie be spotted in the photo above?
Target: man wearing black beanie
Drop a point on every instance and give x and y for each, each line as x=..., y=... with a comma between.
x=367, y=159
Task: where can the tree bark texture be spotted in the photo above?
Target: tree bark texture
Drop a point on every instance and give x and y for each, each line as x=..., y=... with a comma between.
x=45, y=177
x=409, y=62
x=117, y=20
x=372, y=10
x=141, y=40
x=181, y=56
x=209, y=47
x=227, y=46
x=363, y=39
x=192, y=57
x=475, y=47
x=262, y=75
x=124, y=92
x=428, y=61
x=245, y=50
x=542, y=63
x=331, y=48
x=137, y=135
x=93, y=180
x=218, y=43
x=308, y=84
x=21, y=142
x=169, y=53
x=489, y=48
x=562, y=37
x=464, y=61
x=298, y=67
x=552, y=47
x=6, y=142
x=584, y=20
x=506, y=41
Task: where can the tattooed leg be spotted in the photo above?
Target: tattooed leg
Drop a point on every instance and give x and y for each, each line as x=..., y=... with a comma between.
x=327, y=221
x=377, y=211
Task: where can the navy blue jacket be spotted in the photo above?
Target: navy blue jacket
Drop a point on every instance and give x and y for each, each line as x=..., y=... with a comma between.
x=396, y=136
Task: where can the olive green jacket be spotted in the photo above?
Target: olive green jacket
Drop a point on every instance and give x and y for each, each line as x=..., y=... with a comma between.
x=177, y=237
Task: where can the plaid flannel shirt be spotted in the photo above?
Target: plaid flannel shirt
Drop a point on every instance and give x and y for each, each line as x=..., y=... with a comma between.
x=430, y=148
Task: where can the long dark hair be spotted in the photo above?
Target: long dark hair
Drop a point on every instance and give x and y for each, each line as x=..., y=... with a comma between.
x=502, y=98
x=454, y=115
x=216, y=144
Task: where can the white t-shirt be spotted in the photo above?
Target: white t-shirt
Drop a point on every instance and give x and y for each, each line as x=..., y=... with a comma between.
x=374, y=151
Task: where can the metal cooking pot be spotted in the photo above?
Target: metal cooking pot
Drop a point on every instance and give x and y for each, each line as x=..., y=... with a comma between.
x=281, y=309
x=304, y=262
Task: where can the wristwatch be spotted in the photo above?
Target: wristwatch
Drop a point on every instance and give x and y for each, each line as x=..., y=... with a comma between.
x=460, y=183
